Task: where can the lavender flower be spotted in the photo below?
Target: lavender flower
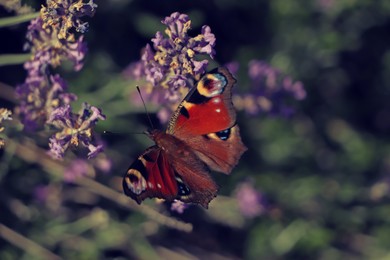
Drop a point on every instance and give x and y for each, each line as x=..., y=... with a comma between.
x=169, y=66
x=48, y=48
x=51, y=43
x=5, y=114
x=250, y=201
x=39, y=96
x=271, y=91
x=76, y=129
x=178, y=206
x=65, y=14
x=44, y=99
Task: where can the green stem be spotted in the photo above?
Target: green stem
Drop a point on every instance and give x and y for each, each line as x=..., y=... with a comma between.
x=17, y=19
x=13, y=59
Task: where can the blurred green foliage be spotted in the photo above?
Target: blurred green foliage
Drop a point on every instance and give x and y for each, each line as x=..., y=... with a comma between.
x=324, y=172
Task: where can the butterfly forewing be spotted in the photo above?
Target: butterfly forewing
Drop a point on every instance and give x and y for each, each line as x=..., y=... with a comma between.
x=207, y=108
x=206, y=121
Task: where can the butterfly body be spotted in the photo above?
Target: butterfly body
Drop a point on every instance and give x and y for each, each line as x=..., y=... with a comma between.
x=202, y=135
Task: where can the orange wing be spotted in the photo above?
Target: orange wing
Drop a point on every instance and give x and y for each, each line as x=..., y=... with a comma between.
x=206, y=122
x=150, y=176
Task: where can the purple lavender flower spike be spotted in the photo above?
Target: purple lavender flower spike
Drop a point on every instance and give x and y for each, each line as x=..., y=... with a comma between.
x=57, y=148
x=178, y=24
x=66, y=14
x=206, y=45
x=271, y=91
x=87, y=119
x=43, y=97
x=171, y=64
x=49, y=49
x=41, y=92
x=75, y=130
x=134, y=70
x=94, y=150
x=61, y=117
x=76, y=52
x=178, y=206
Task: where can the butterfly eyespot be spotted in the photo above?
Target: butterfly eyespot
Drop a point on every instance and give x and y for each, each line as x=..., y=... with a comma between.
x=183, y=190
x=223, y=135
x=212, y=85
x=135, y=182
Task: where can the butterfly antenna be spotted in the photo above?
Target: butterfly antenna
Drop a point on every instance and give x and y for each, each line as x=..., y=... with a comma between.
x=146, y=111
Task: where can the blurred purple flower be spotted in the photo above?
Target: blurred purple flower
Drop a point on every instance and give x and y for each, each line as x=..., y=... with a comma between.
x=250, y=201
x=41, y=192
x=134, y=71
x=75, y=129
x=178, y=206
x=77, y=168
x=232, y=67
x=271, y=91
x=103, y=163
x=326, y=5
x=171, y=65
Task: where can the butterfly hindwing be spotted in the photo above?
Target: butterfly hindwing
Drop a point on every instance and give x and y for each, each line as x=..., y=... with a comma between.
x=151, y=175
x=221, y=151
x=174, y=172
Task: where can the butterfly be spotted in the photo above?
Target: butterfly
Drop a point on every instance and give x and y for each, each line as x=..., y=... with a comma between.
x=202, y=135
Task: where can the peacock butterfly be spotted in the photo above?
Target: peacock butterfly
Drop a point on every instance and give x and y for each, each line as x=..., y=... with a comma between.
x=202, y=135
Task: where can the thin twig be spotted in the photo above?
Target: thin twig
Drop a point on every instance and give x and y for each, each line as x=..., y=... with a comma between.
x=26, y=244
x=13, y=20
x=31, y=153
x=14, y=59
